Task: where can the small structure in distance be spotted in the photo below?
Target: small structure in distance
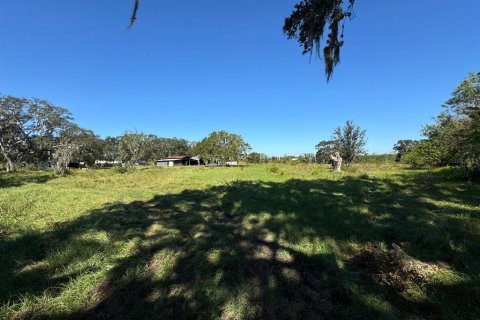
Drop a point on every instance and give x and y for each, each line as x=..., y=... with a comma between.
x=175, y=161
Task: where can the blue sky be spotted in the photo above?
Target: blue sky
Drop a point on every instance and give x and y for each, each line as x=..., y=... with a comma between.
x=190, y=67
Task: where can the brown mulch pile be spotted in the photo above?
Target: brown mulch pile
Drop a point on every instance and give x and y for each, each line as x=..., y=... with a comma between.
x=393, y=267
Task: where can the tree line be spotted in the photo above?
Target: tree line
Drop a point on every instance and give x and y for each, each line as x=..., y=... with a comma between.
x=452, y=140
x=454, y=137
x=34, y=131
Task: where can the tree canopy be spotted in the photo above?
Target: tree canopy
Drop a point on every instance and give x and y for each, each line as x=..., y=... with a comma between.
x=454, y=138
x=349, y=141
x=221, y=146
x=325, y=149
x=402, y=147
x=28, y=122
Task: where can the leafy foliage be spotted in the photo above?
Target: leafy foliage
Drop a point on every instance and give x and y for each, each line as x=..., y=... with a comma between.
x=465, y=100
x=28, y=122
x=110, y=149
x=221, y=146
x=325, y=149
x=424, y=154
x=350, y=141
x=306, y=158
x=454, y=138
x=402, y=147
x=132, y=147
x=255, y=157
x=75, y=143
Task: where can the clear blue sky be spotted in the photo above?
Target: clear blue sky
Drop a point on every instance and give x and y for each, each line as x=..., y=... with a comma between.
x=190, y=67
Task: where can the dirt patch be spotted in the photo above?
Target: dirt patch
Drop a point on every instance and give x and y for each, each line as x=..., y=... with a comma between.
x=393, y=267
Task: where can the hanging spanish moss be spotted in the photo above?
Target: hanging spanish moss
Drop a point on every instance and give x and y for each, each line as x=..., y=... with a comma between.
x=134, y=13
x=307, y=25
x=308, y=22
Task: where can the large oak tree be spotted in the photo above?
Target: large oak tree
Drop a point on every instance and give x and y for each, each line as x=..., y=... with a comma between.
x=221, y=146
x=28, y=122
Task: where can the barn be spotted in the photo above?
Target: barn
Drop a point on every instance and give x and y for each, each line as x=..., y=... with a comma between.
x=175, y=161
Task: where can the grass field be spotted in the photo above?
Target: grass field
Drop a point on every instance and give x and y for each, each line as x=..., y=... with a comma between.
x=256, y=242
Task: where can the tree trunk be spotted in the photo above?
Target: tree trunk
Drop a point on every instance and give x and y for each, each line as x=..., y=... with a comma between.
x=336, y=162
x=10, y=163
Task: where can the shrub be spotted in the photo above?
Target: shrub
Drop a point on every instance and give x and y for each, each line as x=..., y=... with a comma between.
x=273, y=169
x=122, y=170
x=425, y=154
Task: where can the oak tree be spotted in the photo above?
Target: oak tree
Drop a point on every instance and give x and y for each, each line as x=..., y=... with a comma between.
x=25, y=123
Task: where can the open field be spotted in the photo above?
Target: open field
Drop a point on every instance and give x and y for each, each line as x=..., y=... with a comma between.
x=256, y=242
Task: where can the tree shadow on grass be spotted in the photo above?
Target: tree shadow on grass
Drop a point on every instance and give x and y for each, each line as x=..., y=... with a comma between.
x=246, y=250
x=17, y=179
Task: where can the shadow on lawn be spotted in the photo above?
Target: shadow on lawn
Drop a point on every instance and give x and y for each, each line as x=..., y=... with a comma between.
x=260, y=250
x=17, y=179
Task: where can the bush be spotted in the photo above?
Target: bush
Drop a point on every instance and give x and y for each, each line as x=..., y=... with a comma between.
x=273, y=169
x=377, y=158
x=122, y=170
x=425, y=154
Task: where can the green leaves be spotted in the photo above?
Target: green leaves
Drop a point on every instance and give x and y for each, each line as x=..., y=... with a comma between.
x=454, y=139
x=465, y=98
x=424, y=154
x=350, y=141
x=27, y=124
x=221, y=146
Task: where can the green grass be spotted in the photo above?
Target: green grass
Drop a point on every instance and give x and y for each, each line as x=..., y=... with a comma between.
x=256, y=242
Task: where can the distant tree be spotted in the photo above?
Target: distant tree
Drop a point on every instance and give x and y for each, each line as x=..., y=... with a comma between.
x=255, y=157
x=307, y=158
x=308, y=24
x=110, y=149
x=158, y=148
x=74, y=142
x=90, y=147
x=131, y=147
x=176, y=146
x=27, y=125
x=376, y=158
x=350, y=141
x=456, y=131
x=325, y=149
x=62, y=156
x=222, y=146
x=402, y=147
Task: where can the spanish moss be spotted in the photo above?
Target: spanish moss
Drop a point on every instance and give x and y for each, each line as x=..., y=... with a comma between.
x=308, y=22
